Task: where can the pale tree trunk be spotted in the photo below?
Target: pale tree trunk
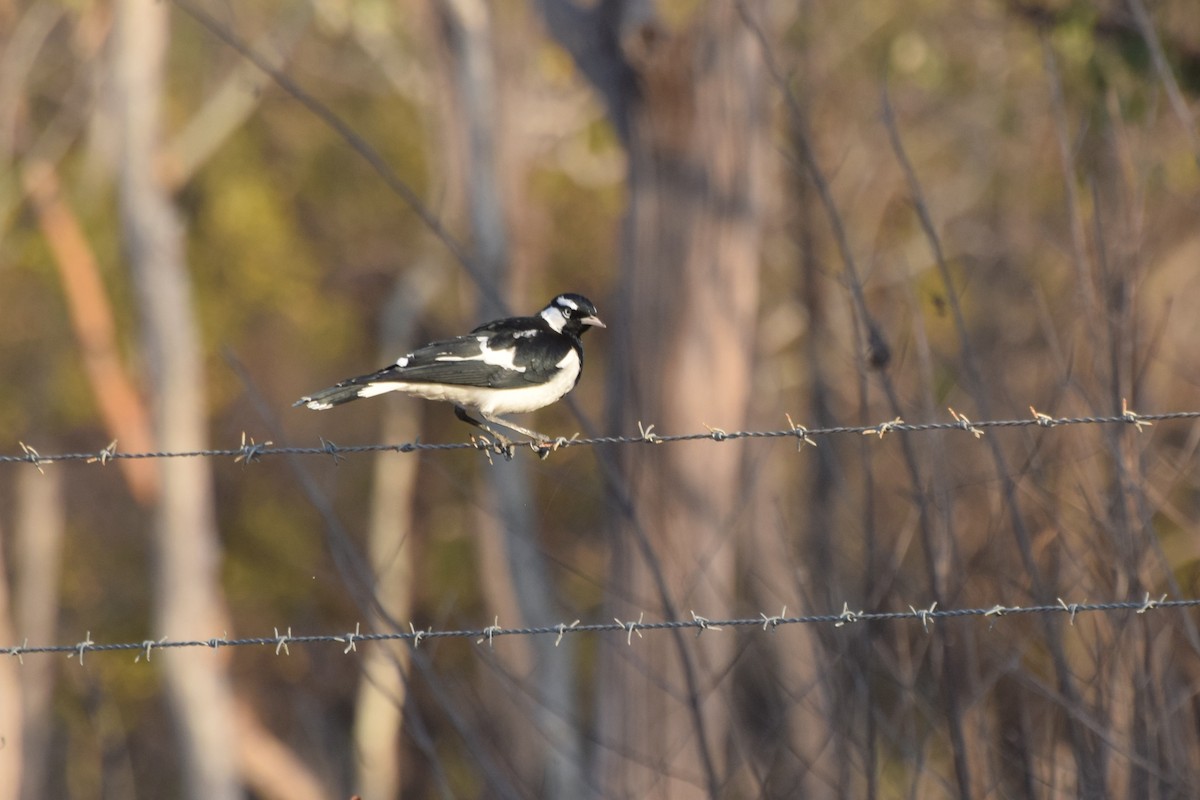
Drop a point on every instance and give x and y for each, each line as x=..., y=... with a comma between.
x=689, y=292
x=29, y=608
x=12, y=734
x=379, y=707
x=188, y=595
x=546, y=759
x=37, y=559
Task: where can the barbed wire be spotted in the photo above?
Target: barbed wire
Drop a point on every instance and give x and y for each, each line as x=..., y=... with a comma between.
x=249, y=450
x=763, y=622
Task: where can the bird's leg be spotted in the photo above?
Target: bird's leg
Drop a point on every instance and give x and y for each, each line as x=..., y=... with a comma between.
x=537, y=437
x=503, y=444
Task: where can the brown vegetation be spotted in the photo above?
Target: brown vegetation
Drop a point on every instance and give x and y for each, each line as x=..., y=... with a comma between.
x=839, y=212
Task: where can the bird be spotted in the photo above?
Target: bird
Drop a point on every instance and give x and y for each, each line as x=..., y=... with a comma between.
x=507, y=366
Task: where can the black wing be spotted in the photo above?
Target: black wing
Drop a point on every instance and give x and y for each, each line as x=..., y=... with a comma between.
x=500, y=355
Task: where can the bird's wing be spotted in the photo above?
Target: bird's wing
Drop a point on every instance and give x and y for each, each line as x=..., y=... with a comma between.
x=508, y=358
x=509, y=325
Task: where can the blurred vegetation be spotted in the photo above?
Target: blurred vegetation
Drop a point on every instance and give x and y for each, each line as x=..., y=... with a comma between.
x=294, y=245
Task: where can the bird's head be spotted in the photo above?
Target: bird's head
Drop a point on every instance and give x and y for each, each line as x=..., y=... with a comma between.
x=572, y=313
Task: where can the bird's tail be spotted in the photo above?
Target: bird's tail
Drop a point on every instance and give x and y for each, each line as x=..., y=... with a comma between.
x=343, y=392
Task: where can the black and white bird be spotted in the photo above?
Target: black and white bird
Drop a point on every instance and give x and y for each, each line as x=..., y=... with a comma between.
x=509, y=366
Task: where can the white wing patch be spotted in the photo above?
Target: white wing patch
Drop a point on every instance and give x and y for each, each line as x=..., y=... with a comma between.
x=373, y=389
x=497, y=358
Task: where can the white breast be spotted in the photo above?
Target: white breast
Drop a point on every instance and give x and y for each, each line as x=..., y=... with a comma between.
x=491, y=401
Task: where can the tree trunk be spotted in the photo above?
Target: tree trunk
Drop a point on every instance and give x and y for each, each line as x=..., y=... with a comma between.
x=12, y=728
x=694, y=130
x=379, y=707
x=188, y=594
x=517, y=581
x=41, y=521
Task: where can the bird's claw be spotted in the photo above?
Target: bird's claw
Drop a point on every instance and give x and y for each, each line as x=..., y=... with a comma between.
x=494, y=443
x=544, y=447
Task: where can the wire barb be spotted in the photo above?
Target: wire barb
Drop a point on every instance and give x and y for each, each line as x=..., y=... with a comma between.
x=149, y=644
x=703, y=624
x=925, y=615
x=351, y=640
x=562, y=628
x=1072, y=609
x=632, y=627
x=773, y=622
x=18, y=652
x=883, y=428
x=801, y=433
x=105, y=455
x=82, y=647
x=490, y=631
x=251, y=451
x=647, y=434
x=1132, y=417
x=965, y=423
x=281, y=642
x=847, y=616
x=333, y=450
x=34, y=457
x=716, y=434
x=417, y=635
x=1045, y=420
x=1150, y=605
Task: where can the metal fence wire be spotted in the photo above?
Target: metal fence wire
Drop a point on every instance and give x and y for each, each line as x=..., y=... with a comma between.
x=249, y=451
x=282, y=642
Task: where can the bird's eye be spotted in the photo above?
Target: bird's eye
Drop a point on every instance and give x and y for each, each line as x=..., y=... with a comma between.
x=566, y=312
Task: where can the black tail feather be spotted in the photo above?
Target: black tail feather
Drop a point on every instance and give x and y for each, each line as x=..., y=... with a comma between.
x=335, y=395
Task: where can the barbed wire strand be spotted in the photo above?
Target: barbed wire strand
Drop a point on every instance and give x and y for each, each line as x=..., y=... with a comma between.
x=282, y=642
x=250, y=451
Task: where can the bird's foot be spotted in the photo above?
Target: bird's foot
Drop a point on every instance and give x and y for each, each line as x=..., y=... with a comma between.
x=545, y=446
x=494, y=443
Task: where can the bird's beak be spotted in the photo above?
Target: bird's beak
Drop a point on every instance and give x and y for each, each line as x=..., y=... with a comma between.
x=593, y=321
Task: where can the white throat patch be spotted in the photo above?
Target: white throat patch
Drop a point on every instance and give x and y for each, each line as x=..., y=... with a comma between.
x=554, y=318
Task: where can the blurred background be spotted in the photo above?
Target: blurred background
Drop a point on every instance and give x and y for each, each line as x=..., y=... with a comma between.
x=837, y=213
